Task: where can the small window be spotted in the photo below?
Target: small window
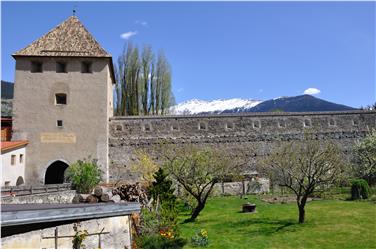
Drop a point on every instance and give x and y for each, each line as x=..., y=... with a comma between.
x=175, y=127
x=202, y=126
x=61, y=67
x=59, y=123
x=256, y=124
x=282, y=124
x=355, y=122
x=307, y=123
x=86, y=67
x=332, y=122
x=36, y=67
x=119, y=128
x=21, y=158
x=12, y=159
x=7, y=183
x=146, y=127
x=60, y=99
x=229, y=126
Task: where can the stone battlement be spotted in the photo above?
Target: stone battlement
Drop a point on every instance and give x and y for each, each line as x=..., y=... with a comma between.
x=233, y=132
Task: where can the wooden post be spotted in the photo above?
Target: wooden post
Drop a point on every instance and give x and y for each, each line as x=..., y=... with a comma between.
x=99, y=238
x=56, y=237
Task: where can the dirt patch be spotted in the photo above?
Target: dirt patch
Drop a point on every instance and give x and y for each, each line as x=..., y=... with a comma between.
x=281, y=199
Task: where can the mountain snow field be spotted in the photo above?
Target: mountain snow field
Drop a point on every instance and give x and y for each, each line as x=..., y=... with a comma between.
x=196, y=106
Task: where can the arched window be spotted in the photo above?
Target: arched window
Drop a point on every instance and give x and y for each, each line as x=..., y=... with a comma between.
x=55, y=173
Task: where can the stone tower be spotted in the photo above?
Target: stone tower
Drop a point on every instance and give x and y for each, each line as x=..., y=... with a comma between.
x=63, y=101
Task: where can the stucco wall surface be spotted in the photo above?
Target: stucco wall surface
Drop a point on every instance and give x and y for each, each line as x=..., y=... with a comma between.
x=118, y=236
x=10, y=173
x=85, y=116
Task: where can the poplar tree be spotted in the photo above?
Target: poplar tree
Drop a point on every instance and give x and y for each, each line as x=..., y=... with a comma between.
x=147, y=61
x=143, y=85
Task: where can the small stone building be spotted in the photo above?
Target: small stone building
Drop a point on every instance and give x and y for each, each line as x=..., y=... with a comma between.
x=63, y=99
x=55, y=225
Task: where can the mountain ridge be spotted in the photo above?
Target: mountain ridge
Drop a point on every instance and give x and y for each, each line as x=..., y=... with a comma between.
x=300, y=103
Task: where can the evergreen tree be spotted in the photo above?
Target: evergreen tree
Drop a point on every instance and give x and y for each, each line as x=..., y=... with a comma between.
x=161, y=188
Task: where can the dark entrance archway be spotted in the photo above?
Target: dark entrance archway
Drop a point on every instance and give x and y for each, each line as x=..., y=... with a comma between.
x=19, y=181
x=55, y=173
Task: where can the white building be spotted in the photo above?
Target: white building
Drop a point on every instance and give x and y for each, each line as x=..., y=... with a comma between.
x=13, y=157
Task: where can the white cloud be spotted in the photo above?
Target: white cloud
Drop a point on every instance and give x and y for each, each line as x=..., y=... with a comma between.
x=142, y=23
x=312, y=91
x=128, y=34
x=180, y=90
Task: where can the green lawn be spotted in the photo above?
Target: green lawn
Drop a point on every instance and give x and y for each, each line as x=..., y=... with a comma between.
x=329, y=224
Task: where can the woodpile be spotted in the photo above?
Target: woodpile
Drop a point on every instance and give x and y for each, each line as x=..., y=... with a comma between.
x=132, y=193
x=100, y=194
x=123, y=193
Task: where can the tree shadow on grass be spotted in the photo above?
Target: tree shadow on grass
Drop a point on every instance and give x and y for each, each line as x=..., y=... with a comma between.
x=264, y=227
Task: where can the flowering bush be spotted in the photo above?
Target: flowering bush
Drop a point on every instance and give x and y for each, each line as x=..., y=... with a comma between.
x=167, y=233
x=200, y=239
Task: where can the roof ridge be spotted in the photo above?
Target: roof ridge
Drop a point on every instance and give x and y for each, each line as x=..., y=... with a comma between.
x=69, y=38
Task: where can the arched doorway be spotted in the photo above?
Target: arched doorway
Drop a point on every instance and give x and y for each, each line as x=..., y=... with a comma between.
x=55, y=173
x=19, y=181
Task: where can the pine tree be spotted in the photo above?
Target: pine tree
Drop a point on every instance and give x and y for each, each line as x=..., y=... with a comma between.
x=161, y=188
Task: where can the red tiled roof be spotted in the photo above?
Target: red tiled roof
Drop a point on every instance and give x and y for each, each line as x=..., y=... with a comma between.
x=11, y=145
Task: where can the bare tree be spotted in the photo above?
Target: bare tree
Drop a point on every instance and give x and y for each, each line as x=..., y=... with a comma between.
x=197, y=170
x=304, y=167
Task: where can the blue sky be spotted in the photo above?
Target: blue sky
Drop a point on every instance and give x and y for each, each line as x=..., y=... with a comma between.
x=219, y=50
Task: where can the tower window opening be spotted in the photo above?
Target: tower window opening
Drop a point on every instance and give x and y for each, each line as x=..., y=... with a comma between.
x=60, y=99
x=36, y=67
x=61, y=67
x=59, y=123
x=86, y=67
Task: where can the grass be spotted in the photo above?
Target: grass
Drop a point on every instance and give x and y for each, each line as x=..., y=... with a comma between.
x=329, y=224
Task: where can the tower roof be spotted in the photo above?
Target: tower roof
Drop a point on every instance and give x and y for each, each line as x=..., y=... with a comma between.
x=70, y=38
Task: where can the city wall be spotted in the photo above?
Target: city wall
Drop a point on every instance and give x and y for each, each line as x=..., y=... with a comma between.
x=252, y=135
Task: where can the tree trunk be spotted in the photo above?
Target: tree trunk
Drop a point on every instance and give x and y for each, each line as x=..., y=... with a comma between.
x=200, y=206
x=301, y=205
x=301, y=214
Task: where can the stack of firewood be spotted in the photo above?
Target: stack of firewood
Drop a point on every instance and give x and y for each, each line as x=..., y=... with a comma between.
x=132, y=192
x=100, y=194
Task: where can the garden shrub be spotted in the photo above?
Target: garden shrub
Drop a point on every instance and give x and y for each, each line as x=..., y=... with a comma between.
x=158, y=227
x=161, y=188
x=160, y=242
x=359, y=189
x=84, y=175
x=200, y=239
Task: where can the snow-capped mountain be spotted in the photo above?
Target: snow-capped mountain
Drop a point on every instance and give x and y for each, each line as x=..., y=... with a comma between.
x=301, y=103
x=196, y=106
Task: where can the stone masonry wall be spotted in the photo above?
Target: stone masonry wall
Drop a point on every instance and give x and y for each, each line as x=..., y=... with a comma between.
x=54, y=197
x=251, y=135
